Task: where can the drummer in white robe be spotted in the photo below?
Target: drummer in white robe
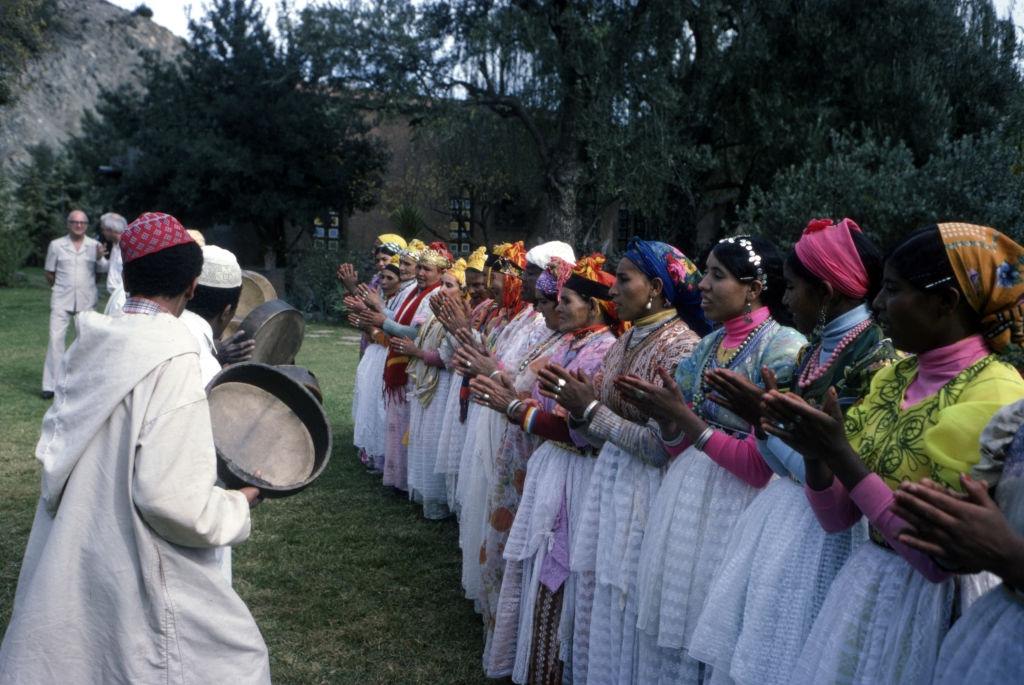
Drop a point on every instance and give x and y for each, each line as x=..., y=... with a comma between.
x=206, y=315
x=120, y=581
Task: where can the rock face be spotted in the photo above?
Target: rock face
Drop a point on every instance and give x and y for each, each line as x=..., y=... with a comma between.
x=93, y=46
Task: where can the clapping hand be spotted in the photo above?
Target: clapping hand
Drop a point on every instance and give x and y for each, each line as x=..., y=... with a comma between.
x=739, y=394
x=493, y=393
x=370, y=297
x=406, y=346
x=573, y=390
x=348, y=276
x=814, y=433
x=663, y=403
x=470, y=361
x=964, y=532
x=354, y=303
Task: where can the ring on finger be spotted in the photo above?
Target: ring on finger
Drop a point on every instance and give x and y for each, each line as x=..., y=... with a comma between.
x=561, y=382
x=486, y=396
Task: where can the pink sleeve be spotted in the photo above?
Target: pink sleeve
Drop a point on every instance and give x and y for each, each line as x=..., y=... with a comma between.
x=433, y=358
x=873, y=497
x=741, y=458
x=833, y=507
x=677, y=445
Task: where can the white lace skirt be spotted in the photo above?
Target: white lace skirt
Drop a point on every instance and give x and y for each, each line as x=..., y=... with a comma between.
x=695, y=511
x=779, y=565
x=611, y=530
x=984, y=646
x=426, y=485
x=368, y=416
x=488, y=430
x=882, y=622
x=551, y=472
x=451, y=441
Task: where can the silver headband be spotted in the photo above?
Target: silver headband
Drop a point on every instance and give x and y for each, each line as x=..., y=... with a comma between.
x=752, y=257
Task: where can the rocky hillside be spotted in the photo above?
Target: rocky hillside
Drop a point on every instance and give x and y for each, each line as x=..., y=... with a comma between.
x=93, y=46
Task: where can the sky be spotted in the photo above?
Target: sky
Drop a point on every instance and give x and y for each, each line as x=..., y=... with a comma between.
x=172, y=13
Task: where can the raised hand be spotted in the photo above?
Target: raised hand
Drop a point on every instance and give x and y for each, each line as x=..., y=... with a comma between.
x=370, y=297
x=663, y=403
x=470, y=361
x=406, y=346
x=348, y=276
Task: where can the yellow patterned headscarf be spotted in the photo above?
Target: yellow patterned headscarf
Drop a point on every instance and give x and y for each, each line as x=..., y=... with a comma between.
x=414, y=249
x=392, y=242
x=478, y=259
x=987, y=265
x=458, y=269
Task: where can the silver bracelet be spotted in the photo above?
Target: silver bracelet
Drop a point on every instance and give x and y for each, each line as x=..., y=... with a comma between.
x=493, y=373
x=703, y=438
x=587, y=413
x=510, y=410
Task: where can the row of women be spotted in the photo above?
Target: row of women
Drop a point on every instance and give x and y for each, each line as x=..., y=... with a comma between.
x=801, y=468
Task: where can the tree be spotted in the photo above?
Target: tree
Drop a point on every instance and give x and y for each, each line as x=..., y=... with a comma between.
x=235, y=133
x=679, y=108
x=23, y=25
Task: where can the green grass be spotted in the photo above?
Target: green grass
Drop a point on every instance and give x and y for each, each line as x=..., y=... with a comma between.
x=348, y=582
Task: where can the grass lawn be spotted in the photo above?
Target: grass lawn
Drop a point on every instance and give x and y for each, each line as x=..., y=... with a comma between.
x=348, y=583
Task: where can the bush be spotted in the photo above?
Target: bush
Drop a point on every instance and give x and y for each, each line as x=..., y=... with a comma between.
x=13, y=245
x=877, y=183
x=315, y=286
x=143, y=11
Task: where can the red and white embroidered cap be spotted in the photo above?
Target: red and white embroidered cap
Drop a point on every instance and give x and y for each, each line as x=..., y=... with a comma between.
x=152, y=232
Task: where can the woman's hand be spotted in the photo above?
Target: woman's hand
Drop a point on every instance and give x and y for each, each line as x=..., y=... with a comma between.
x=451, y=312
x=967, y=533
x=406, y=346
x=469, y=361
x=348, y=276
x=494, y=393
x=817, y=434
x=370, y=297
x=739, y=394
x=354, y=303
x=663, y=403
x=573, y=390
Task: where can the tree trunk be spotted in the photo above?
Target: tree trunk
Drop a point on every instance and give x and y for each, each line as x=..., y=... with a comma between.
x=561, y=210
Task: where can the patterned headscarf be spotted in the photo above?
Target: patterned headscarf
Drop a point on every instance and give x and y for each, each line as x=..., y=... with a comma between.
x=436, y=255
x=510, y=260
x=413, y=249
x=152, y=232
x=554, y=277
x=392, y=243
x=589, y=279
x=987, y=265
x=679, y=277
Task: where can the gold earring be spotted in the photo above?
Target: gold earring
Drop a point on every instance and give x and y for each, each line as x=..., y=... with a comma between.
x=746, y=313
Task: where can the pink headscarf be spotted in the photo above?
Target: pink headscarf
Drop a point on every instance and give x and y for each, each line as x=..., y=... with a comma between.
x=828, y=252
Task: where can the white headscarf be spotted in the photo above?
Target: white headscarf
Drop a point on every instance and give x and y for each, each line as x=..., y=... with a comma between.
x=541, y=255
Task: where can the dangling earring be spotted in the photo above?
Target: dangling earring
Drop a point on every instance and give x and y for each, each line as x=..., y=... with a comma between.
x=650, y=301
x=819, y=327
x=746, y=313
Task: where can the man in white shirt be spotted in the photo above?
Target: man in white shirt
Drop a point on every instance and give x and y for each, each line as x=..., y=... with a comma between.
x=113, y=225
x=72, y=263
x=120, y=582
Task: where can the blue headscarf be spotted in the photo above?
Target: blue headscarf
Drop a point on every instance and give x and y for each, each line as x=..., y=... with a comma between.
x=679, y=277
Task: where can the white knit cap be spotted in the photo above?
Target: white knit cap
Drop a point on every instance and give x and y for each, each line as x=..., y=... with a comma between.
x=542, y=254
x=220, y=268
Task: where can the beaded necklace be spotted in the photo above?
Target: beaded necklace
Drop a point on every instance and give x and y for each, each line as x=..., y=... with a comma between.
x=539, y=350
x=814, y=371
x=702, y=387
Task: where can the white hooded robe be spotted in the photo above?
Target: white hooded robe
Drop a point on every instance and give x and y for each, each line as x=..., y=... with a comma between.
x=120, y=580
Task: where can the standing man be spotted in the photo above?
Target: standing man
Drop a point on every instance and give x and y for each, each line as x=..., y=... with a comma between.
x=72, y=263
x=120, y=582
x=112, y=226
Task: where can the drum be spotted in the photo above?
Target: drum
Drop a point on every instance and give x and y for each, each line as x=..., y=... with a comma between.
x=303, y=376
x=278, y=328
x=266, y=423
x=256, y=290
